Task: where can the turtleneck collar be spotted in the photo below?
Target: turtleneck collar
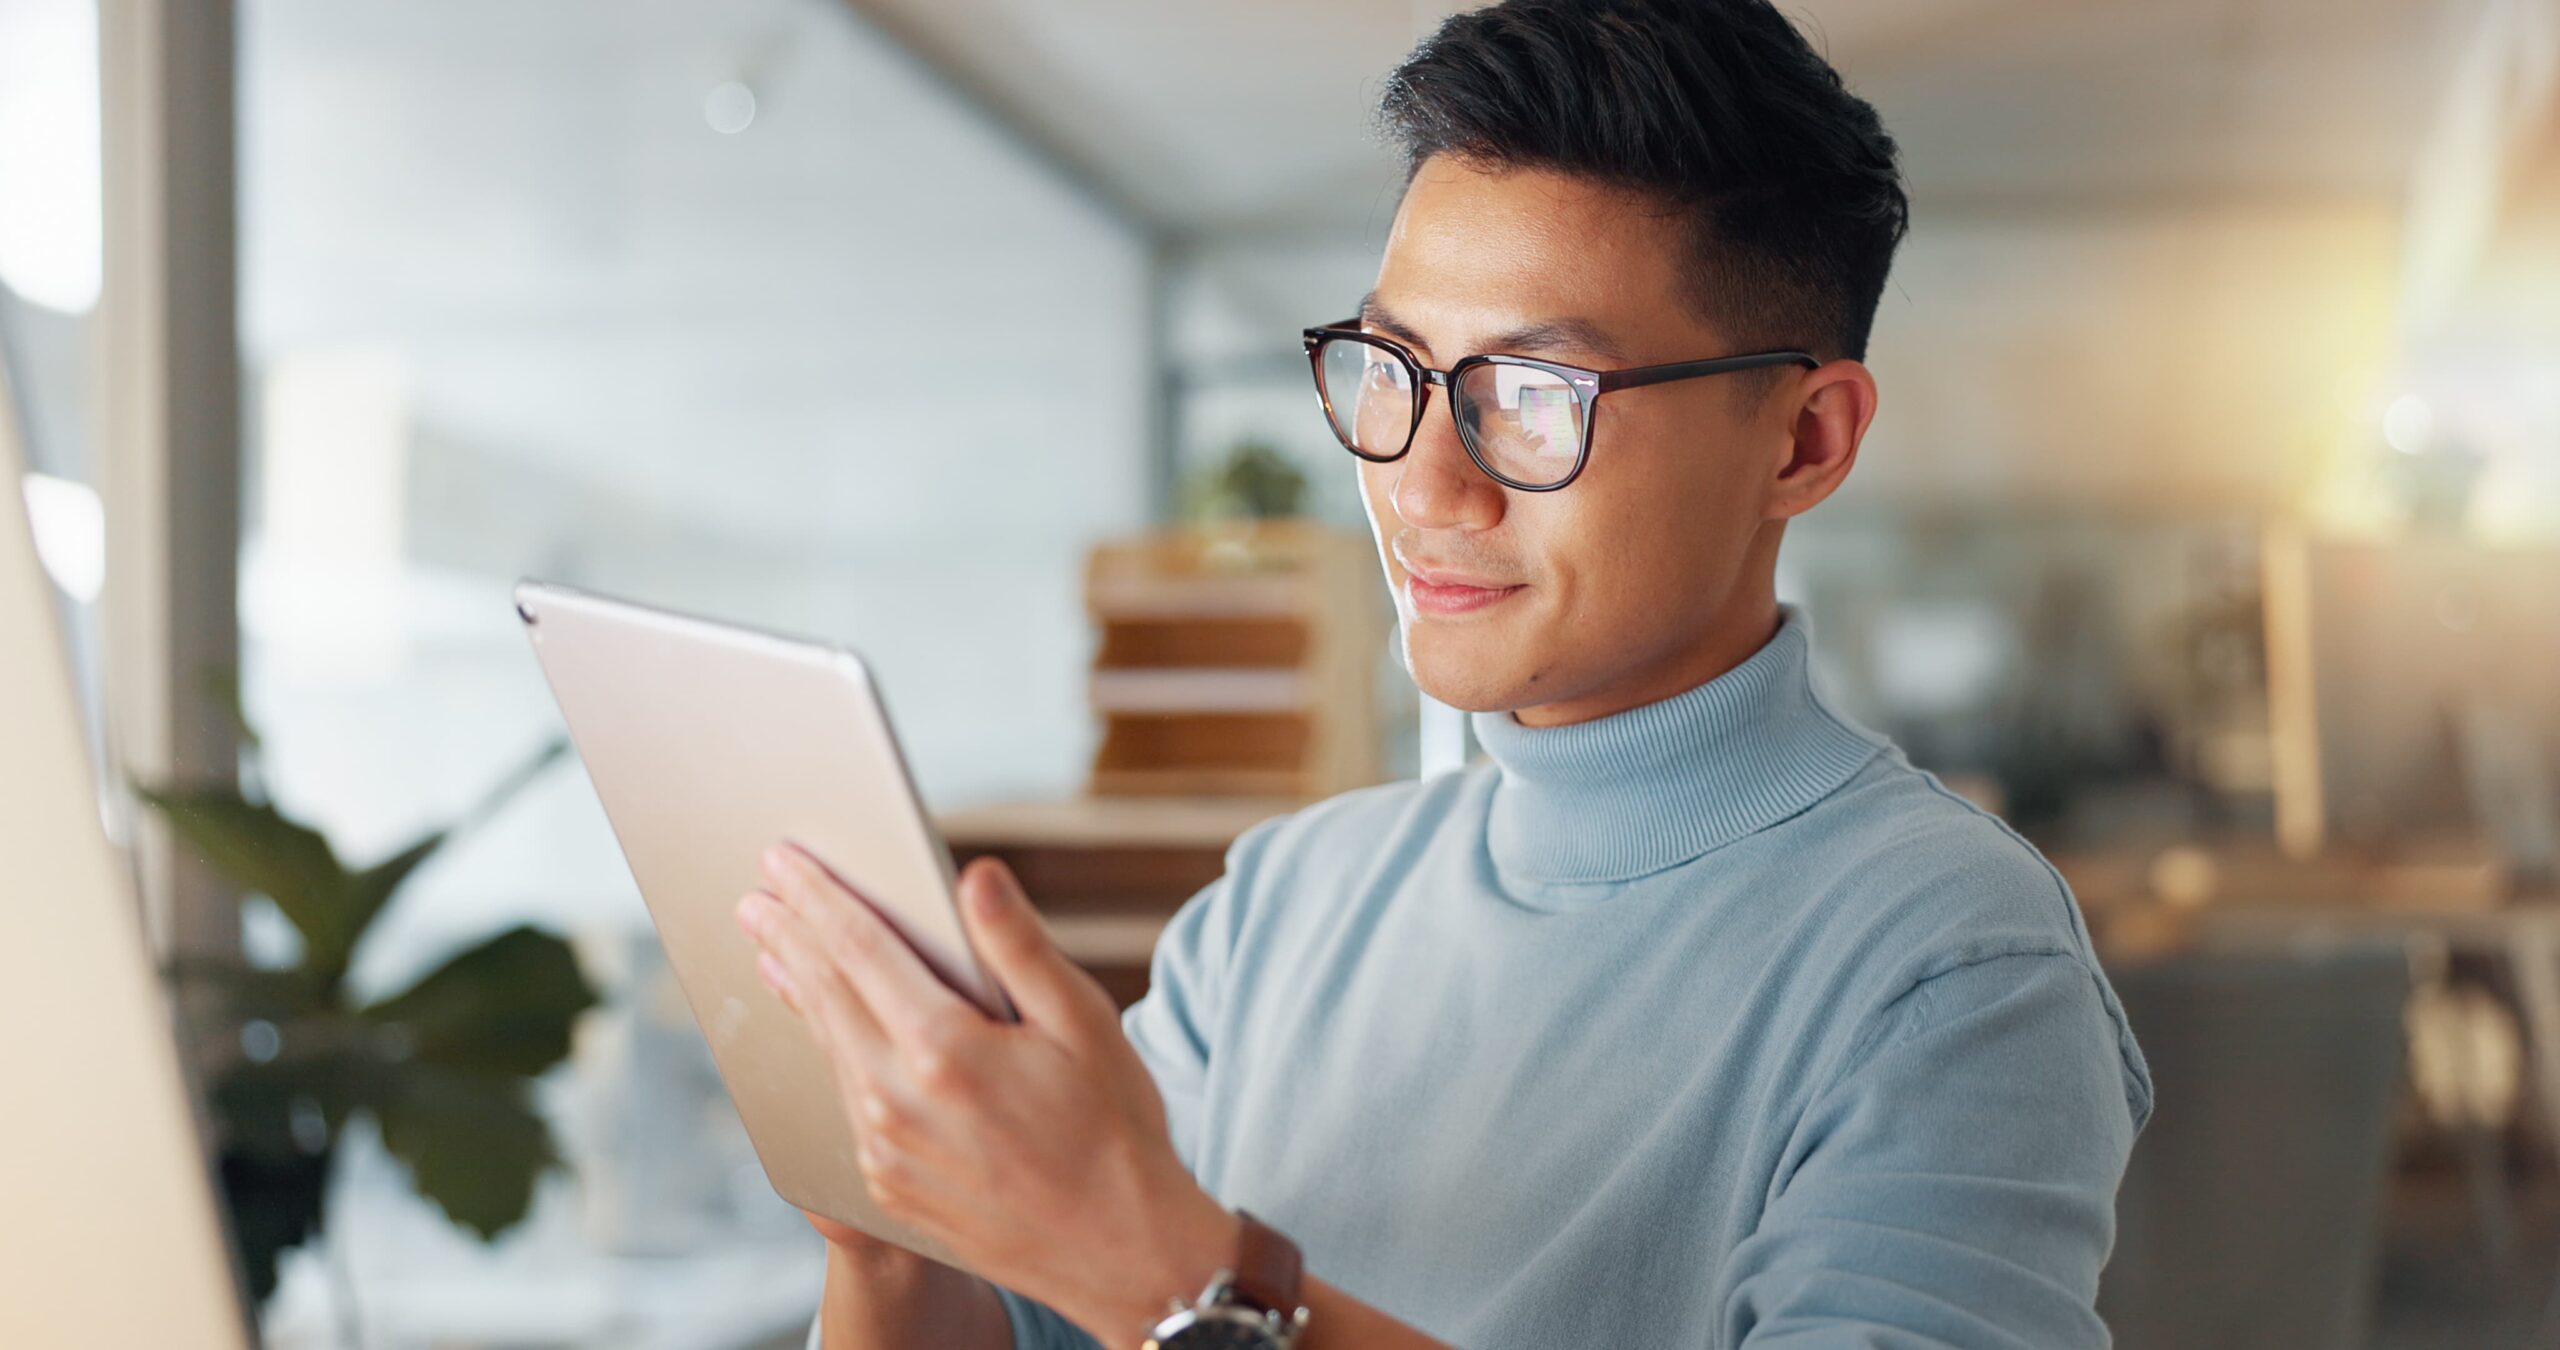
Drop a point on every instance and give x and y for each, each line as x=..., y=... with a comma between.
x=1633, y=793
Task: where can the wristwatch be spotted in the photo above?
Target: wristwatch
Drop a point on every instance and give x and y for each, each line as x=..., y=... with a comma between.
x=1252, y=1305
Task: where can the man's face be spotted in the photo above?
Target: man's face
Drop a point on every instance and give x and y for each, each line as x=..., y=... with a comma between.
x=1567, y=602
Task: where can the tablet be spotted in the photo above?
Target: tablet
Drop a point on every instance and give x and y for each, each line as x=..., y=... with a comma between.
x=707, y=743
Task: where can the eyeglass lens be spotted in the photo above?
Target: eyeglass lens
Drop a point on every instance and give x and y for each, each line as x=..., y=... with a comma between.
x=1523, y=423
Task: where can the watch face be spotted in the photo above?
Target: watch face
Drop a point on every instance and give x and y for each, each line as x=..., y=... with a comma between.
x=1216, y=1328
x=1219, y=1336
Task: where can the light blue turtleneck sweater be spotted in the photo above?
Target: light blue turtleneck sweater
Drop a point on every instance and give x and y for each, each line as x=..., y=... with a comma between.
x=1713, y=1023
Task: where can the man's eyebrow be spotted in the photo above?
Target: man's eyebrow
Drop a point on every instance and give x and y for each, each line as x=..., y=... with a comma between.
x=1377, y=316
x=1572, y=332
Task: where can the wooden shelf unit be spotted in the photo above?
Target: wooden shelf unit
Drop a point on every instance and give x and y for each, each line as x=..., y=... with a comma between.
x=1236, y=660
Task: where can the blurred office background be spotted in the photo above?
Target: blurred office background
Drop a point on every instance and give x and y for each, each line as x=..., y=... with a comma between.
x=2210, y=528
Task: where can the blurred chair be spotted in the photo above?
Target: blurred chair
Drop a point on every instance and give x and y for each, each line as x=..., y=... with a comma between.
x=2251, y=1214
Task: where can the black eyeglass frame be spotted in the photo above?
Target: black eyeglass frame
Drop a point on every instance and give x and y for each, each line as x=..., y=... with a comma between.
x=1587, y=385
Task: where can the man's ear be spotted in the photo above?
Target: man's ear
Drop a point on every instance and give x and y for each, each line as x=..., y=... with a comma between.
x=1832, y=407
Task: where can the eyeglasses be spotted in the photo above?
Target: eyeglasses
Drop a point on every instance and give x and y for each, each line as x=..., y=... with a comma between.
x=1525, y=422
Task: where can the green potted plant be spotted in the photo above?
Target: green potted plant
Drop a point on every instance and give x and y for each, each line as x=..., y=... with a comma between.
x=1253, y=482
x=290, y=1054
x=1238, y=503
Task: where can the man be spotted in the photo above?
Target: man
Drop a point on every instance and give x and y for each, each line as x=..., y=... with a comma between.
x=1694, y=1015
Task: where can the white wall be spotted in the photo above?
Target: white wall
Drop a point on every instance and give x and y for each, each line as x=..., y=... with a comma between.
x=868, y=370
x=2169, y=358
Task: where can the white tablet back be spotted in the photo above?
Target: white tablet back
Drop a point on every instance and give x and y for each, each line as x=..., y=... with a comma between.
x=707, y=743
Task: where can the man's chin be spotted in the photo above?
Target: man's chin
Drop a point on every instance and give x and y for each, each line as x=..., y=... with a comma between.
x=1473, y=672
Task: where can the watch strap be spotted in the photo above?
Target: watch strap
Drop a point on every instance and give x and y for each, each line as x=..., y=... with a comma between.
x=1268, y=1267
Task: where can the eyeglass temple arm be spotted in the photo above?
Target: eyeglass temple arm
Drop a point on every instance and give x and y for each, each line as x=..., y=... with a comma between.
x=1631, y=378
x=1639, y=376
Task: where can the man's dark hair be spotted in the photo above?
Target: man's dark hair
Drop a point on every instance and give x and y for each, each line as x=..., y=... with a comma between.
x=1719, y=109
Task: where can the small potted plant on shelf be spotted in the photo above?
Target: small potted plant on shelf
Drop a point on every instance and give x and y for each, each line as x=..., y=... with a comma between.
x=1235, y=503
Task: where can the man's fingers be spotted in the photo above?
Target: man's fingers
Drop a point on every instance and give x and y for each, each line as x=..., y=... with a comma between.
x=893, y=1122
x=904, y=995
x=791, y=960
x=769, y=968
x=1049, y=990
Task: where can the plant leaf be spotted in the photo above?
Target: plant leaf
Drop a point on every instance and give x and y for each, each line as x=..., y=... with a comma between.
x=371, y=889
x=254, y=845
x=505, y=1006
x=473, y=1143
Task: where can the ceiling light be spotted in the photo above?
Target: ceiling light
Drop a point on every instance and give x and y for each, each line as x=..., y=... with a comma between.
x=2408, y=424
x=730, y=107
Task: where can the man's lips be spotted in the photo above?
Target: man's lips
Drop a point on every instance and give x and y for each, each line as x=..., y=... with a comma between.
x=1443, y=592
x=1449, y=576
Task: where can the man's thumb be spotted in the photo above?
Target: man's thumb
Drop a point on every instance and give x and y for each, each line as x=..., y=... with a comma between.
x=1047, y=989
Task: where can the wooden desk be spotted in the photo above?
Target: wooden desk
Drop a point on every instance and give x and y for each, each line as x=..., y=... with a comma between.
x=2147, y=900
x=1091, y=822
x=1108, y=872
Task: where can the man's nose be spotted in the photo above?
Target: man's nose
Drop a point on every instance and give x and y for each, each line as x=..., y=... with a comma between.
x=1438, y=486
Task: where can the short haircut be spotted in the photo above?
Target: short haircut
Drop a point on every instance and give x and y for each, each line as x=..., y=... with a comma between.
x=1719, y=109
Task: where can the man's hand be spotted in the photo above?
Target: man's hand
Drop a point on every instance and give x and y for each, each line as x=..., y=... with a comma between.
x=847, y=1236
x=1037, y=1151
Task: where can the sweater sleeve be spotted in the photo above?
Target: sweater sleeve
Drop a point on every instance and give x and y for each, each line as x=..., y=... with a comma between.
x=1955, y=1185
x=1036, y=1326
x=1173, y=1026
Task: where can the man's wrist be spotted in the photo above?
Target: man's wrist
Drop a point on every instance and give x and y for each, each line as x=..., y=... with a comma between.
x=1194, y=1246
x=877, y=1260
